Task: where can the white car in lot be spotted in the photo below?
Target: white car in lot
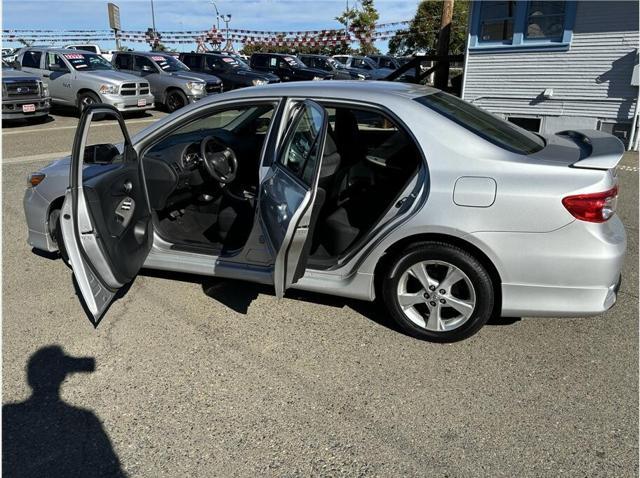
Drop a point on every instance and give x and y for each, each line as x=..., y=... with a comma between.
x=367, y=190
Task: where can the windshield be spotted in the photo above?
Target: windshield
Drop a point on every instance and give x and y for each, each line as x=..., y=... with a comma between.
x=169, y=63
x=235, y=63
x=87, y=61
x=484, y=124
x=294, y=62
x=333, y=63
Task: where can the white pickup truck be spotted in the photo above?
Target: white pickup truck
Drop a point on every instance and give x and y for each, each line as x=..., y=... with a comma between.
x=107, y=55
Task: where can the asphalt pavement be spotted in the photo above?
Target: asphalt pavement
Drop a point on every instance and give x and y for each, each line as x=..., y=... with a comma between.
x=200, y=377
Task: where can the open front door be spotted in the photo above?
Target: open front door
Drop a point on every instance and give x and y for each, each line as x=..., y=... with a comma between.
x=289, y=198
x=106, y=221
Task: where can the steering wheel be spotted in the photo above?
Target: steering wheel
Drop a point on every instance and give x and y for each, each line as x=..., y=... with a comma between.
x=219, y=160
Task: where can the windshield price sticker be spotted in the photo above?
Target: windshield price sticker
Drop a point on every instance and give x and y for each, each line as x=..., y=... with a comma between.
x=158, y=58
x=228, y=60
x=291, y=61
x=73, y=56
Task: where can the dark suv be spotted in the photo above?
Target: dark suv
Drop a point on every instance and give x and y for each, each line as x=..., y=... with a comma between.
x=332, y=66
x=233, y=72
x=287, y=67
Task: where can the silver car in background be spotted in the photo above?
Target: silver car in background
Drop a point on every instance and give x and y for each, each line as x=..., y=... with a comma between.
x=368, y=190
x=78, y=79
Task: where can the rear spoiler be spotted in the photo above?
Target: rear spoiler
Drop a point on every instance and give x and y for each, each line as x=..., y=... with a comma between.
x=598, y=150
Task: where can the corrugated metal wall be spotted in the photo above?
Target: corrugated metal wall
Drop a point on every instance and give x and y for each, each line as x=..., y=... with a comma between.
x=592, y=79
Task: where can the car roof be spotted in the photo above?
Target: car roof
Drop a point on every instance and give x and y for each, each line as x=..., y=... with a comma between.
x=56, y=50
x=146, y=53
x=274, y=54
x=372, y=91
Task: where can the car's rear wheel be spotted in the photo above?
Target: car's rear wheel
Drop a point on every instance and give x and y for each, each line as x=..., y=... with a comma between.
x=176, y=99
x=438, y=292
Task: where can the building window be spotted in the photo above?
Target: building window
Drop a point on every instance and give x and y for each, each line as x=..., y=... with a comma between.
x=530, y=124
x=534, y=25
x=497, y=21
x=545, y=20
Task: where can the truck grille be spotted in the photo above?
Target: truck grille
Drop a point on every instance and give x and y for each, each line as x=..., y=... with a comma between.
x=22, y=88
x=133, y=89
x=213, y=87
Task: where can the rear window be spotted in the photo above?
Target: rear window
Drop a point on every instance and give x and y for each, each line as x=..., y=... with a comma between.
x=486, y=125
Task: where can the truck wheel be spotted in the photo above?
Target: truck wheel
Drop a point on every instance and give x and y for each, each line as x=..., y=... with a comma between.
x=87, y=98
x=175, y=100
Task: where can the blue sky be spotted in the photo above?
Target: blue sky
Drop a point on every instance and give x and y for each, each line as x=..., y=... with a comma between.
x=190, y=14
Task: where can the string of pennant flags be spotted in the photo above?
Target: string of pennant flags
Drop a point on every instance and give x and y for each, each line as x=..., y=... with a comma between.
x=331, y=37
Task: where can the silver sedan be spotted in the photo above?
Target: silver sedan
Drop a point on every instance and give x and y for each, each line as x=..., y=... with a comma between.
x=371, y=190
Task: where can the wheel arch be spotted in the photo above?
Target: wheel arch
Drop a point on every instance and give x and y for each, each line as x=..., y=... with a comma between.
x=55, y=204
x=82, y=91
x=169, y=89
x=397, y=247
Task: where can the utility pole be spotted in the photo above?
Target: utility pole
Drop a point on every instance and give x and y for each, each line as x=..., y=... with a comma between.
x=441, y=79
x=153, y=18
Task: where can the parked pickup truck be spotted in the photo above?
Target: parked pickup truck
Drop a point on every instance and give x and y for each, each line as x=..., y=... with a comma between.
x=79, y=78
x=24, y=96
x=287, y=67
x=173, y=84
x=107, y=54
x=363, y=64
x=232, y=70
x=332, y=66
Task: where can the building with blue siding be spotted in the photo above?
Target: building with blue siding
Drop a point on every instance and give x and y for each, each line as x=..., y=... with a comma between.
x=554, y=65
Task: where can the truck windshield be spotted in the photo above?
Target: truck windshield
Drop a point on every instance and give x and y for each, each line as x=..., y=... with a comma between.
x=87, y=61
x=333, y=63
x=169, y=63
x=294, y=62
x=486, y=125
x=235, y=63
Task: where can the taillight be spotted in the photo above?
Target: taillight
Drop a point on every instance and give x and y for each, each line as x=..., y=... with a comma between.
x=593, y=207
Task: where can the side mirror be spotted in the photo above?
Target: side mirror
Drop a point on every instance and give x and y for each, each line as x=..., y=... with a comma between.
x=58, y=68
x=100, y=154
x=15, y=64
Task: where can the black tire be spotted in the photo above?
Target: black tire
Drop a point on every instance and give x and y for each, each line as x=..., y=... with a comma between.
x=56, y=234
x=447, y=254
x=175, y=100
x=87, y=98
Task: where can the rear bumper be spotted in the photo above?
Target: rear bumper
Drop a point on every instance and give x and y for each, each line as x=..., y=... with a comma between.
x=574, y=271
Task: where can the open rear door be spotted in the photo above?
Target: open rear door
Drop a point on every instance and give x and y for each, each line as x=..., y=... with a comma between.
x=289, y=201
x=106, y=221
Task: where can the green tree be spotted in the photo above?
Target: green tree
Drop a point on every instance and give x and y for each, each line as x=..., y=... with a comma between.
x=362, y=22
x=422, y=34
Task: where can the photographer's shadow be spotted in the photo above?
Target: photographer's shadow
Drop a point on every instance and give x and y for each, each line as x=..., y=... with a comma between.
x=46, y=437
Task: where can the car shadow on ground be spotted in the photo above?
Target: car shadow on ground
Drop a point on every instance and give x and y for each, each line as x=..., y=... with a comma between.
x=239, y=298
x=45, y=436
x=20, y=123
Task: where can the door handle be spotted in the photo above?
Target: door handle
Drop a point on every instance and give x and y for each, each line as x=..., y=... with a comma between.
x=46, y=75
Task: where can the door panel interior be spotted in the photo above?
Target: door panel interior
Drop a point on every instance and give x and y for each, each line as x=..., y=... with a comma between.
x=117, y=204
x=106, y=221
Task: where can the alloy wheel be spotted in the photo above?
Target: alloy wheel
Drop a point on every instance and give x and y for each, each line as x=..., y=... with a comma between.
x=436, y=295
